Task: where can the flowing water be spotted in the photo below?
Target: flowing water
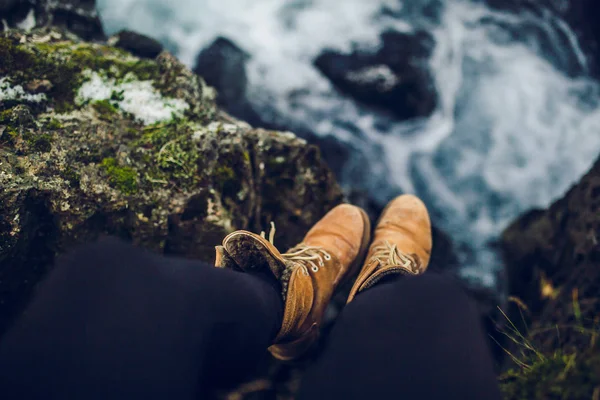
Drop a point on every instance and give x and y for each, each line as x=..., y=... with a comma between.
x=516, y=124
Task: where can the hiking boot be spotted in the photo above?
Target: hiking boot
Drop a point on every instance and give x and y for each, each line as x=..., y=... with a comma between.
x=309, y=273
x=401, y=244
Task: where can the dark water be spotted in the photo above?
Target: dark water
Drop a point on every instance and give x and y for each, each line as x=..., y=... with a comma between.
x=515, y=123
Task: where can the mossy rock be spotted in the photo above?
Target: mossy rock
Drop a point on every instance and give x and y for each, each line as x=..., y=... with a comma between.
x=553, y=265
x=556, y=376
x=95, y=141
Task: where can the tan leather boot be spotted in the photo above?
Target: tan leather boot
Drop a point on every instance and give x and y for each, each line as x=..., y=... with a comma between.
x=401, y=243
x=331, y=252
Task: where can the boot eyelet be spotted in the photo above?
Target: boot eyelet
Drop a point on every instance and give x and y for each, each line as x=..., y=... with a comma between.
x=327, y=257
x=315, y=269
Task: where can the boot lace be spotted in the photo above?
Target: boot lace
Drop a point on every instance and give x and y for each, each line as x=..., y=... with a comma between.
x=388, y=254
x=310, y=255
x=303, y=254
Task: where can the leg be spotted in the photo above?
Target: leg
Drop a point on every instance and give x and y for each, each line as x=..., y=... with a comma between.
x=113, y=321
x=411, y=338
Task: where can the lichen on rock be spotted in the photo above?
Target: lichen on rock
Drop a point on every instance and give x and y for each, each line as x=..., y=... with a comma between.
x=94, y=140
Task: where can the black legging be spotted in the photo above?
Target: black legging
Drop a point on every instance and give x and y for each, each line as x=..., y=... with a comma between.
x=115, y=322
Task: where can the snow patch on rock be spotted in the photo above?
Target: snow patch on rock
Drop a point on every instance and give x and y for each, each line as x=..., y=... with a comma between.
x=8, y=92
x=139, y=98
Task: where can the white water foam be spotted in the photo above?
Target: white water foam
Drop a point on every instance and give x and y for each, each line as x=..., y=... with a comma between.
x=512, y=129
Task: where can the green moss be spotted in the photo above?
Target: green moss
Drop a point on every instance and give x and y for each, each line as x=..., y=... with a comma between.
x=565, y=366
x=574, y=376
x=158, y=134
x=117, y=96
x=51, y=47
x=105, y=109
x=6, y=116
x=24, y=65
x=224, y=173
x=9, y=137
x=71, y=175
x=246, y=157
x=62, y=64
x=12, y=132
x=89, y=57
x=122, y=178
x=54, y=124
x=169, y=153
x=12, y=56
x=228, y=181
x=132, y=132
x=41, y=143
x=145, y=70
x=111, y=61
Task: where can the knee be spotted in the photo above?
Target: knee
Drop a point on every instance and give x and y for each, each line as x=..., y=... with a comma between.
x=428, y=291
x=432, y=283
x=238, y=290
x=106, y=250
x=106, y=262
x=444, y=294
x=105, y=247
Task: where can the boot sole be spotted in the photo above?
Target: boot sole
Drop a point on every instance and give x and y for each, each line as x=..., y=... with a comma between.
x=259, y=249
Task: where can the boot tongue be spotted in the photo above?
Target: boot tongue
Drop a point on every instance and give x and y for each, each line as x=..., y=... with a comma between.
x=409, y=265
x=254, y=253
